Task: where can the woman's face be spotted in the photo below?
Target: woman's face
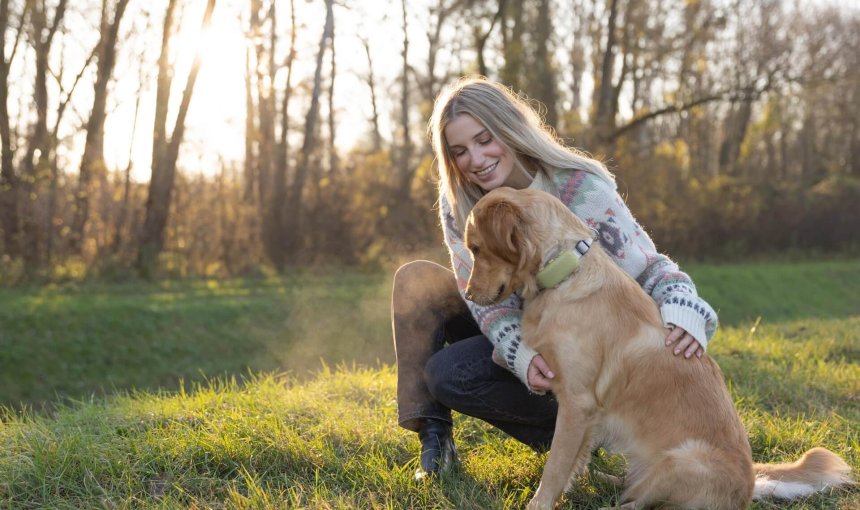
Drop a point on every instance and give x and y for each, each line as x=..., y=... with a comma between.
x=477, y=154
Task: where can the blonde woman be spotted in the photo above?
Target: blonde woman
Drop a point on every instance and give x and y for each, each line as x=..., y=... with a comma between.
x=454, y=354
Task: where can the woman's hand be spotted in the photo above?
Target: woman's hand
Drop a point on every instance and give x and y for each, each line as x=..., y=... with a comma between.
x=685, y=343
x=539, y=375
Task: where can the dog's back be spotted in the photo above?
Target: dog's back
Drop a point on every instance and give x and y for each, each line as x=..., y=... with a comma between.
x=673, y=418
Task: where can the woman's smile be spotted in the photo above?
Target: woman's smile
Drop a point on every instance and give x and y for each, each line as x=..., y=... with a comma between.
x=485, y=172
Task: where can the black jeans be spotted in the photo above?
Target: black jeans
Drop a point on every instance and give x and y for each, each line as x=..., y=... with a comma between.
x=464, y=377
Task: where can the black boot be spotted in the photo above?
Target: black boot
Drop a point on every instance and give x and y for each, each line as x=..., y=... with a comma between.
x=437, y=448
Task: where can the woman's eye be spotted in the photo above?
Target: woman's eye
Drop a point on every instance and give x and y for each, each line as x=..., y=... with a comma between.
x=485, y=141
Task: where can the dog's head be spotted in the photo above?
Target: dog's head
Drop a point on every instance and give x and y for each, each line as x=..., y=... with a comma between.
x=508, y=233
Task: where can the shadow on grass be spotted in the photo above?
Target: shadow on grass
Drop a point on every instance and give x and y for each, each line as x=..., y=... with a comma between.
x=60, y=344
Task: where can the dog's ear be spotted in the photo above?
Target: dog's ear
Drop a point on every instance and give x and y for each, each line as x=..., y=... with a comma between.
x=505, y=225
x=502, y=222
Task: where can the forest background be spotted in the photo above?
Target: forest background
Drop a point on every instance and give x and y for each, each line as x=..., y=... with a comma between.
x=218, y=138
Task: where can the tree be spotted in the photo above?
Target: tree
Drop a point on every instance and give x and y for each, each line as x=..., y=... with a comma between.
x=165, y=151
x=544, y=76
x=275, y=215
x=37, y=158
x=294, y=231
x=8, y=179
x=371, y=83
x=92, y=162
x=404, y=162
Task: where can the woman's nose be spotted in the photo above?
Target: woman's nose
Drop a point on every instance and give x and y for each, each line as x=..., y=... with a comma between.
x=477, y=157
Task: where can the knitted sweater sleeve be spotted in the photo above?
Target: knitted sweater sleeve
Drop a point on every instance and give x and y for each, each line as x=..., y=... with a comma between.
x=499, y=322
x=598, y=203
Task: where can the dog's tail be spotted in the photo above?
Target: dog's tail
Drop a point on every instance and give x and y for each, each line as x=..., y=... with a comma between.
x=817, y=470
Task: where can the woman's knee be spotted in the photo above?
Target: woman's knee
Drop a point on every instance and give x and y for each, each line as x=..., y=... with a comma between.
x=422, y=284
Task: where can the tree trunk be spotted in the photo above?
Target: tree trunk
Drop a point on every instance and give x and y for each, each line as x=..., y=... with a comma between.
x=577, y=56
x=92, y=170
x=164, y=165
x=604, y=117
x=406, y=143
x=544, y=76
x=332, y=131
x=371, y=82
x=294, y=231
x=265, y=104
x=275, y=219
x=481, y=38
x=513, y=46
x=437, y=14
x=8, y=181
x=37, y=157
x=251, y=137
x=734, y=132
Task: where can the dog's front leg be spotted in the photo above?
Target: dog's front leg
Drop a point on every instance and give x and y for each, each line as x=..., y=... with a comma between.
x=571, y=428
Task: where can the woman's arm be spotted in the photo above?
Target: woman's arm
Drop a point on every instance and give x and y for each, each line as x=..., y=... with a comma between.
x=499, y=322
x=598, y=203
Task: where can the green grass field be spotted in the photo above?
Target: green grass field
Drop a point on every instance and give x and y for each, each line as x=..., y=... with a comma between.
x=213, y=394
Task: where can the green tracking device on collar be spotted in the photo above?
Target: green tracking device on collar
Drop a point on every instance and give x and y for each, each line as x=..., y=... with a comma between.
x=557, y=270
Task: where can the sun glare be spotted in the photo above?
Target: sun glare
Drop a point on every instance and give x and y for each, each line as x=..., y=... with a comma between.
x=216, y=120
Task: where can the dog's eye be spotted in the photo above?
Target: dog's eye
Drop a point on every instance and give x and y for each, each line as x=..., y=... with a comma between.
x=475, y=250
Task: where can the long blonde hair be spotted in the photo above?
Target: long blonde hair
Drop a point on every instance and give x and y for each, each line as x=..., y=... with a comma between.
x=515, y=125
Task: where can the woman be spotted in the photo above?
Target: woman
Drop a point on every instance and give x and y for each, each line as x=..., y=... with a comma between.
x=453, y=354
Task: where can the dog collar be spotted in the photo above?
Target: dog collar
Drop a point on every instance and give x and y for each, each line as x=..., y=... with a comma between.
x=562, y=266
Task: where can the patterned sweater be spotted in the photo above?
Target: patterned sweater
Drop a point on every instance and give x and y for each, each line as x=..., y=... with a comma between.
x=596, y=202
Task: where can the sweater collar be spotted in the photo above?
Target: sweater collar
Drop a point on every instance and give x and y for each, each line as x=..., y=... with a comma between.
x=562, y=265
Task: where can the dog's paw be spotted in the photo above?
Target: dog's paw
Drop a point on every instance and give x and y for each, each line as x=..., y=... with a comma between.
x=538, y=503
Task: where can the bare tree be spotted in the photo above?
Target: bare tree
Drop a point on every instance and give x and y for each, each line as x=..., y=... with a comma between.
x=513, y=45
x=92, y=170
x=274, y=214
x=544, y=77
x=371, y=83
x=438, y=14
x=294, y=231
x=481, y=37
x=605, y=107
x=265, y=76
x=332, y=150
x=8, y=179
x=37, y=158
x=251, y=136
x=405, y=162
x=166, y=151
x=54, y=178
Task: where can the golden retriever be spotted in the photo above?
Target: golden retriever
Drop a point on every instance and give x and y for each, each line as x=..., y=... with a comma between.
x=616, y=383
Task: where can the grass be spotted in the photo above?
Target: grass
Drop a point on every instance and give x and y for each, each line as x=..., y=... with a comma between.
x=173, y=396
x=62, y=342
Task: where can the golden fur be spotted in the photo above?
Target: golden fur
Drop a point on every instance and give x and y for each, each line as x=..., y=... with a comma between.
x=616, y=383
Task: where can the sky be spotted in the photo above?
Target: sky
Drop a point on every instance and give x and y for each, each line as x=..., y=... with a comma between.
x=215, y=127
